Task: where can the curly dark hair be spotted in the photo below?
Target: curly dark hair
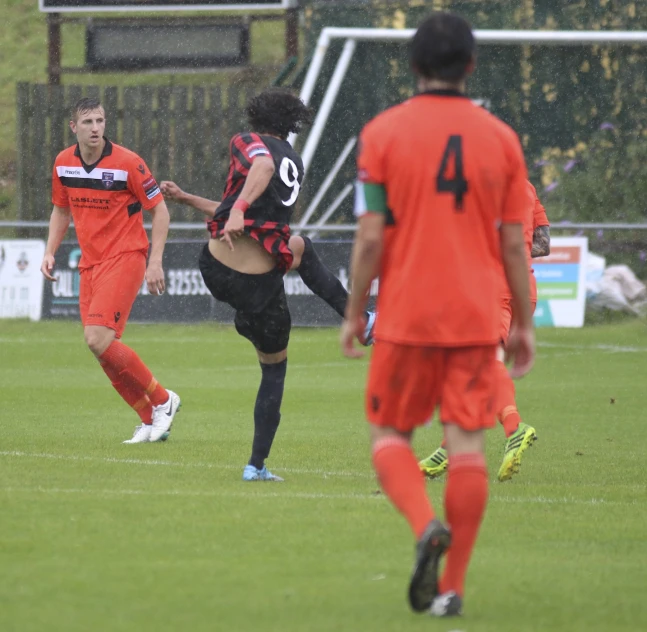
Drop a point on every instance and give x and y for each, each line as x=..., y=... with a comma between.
x=277, y=112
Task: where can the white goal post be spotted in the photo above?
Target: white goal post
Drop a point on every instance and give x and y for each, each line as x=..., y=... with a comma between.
x=353, y=35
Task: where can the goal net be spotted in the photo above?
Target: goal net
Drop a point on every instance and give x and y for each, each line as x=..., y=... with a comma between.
x=555, y=88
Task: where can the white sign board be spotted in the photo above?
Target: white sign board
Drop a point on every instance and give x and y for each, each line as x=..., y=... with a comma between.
x=561, y=283
x=21, y=282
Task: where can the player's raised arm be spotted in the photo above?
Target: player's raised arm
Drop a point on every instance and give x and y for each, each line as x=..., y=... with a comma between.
x=59, y=222
x=257, y=180
x=173, y=192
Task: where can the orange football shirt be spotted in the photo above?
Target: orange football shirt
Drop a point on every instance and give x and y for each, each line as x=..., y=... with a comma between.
x=452, y=173
x=106, y=200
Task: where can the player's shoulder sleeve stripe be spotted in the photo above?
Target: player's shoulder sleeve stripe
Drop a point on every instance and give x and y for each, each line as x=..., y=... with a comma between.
x=256, y=146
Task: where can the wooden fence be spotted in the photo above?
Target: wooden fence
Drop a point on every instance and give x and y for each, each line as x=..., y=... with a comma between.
x=181, y=132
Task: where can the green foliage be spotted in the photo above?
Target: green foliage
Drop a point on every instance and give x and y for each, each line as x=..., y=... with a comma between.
x=602, y=181
x=555, y=97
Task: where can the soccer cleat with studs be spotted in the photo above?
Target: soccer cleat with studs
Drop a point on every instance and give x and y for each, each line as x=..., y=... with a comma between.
x=142, y=434
x=435, y=465
x=518, y=442
x=164, y=415
x=251, y=473
x=432, y=545
x=448, y=604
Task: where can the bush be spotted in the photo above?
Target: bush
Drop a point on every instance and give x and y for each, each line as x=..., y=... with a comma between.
x=604, y=181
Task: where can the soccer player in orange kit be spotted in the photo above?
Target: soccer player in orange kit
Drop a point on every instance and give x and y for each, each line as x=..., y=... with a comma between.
x=520, y=436
x=440, y=201
x=104, y=188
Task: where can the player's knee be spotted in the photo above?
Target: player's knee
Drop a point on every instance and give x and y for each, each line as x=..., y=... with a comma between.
x=461, y=441
x=98, y=339
x=379, y=433
x=272, y=358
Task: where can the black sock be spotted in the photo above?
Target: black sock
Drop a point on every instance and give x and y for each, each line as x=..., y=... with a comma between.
x=321, y=280
x=267, y=412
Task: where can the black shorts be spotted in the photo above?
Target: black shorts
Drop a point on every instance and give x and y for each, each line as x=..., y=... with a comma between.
x=262, y=314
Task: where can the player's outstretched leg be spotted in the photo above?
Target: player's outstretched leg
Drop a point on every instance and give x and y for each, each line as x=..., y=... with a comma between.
x=436, y=464
x=317, y=277
x=323, y=283
x=520, y=436
x=267, y=416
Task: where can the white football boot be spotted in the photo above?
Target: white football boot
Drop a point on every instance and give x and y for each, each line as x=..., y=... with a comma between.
x=163, y=416
x=142, y=434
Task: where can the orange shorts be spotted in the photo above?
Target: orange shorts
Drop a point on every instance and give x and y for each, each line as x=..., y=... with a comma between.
x=108, y=291
x=506, y=318
x=406, y=384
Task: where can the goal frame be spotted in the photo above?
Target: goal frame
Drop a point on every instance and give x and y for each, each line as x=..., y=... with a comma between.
x=354, y=35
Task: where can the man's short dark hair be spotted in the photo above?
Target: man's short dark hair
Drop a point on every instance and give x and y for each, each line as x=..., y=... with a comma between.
x=443, y=47
x=277, y=112
x=86, y=104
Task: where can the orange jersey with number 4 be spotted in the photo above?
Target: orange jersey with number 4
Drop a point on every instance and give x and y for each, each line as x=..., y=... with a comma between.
x=452, y=173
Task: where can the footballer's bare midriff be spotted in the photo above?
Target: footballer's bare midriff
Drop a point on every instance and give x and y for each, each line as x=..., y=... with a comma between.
x=248, y=256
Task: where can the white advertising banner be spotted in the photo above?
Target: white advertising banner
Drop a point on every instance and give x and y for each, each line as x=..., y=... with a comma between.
x=561, y=283
x=21, y=282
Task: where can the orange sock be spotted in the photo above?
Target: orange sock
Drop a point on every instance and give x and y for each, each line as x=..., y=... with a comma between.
x=403, y=482
x=506, y=405
x=465, y=499
x=134, y=397
x=133, y=372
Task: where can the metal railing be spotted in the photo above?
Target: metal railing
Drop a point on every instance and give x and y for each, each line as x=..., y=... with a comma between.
x=341, y=228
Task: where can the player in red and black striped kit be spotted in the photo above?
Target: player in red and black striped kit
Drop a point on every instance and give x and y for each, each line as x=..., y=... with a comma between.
x=251, y=249
x=266, y=219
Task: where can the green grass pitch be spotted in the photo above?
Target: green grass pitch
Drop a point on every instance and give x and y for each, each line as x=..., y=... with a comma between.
x=96, y=535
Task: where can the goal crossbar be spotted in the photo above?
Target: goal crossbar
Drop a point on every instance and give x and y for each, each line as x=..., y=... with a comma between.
x=353, y=35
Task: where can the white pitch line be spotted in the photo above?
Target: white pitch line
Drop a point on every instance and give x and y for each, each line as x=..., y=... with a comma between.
x=155, y=462
x=64, y=457
x=594, y=347
x=543, y=500
x=189, y=493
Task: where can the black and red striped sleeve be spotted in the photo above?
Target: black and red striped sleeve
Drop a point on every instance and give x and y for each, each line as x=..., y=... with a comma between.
x=245, y=148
